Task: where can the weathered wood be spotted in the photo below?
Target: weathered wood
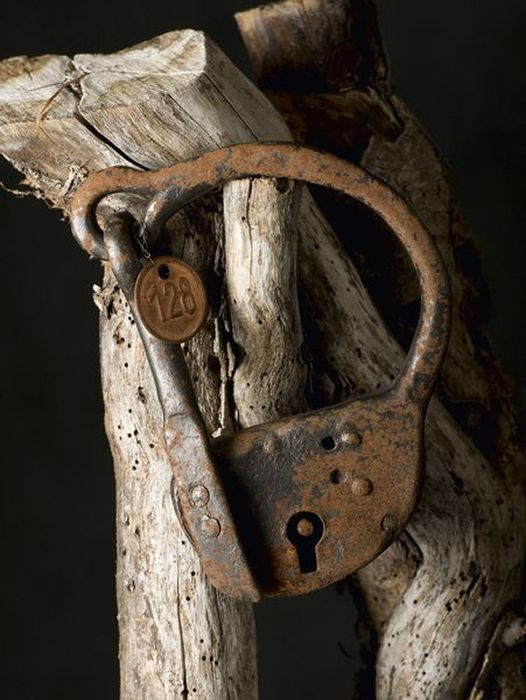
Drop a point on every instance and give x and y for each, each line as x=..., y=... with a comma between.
x=437, y=597
x=261, y=253
x=147, y=106
x=171, y=98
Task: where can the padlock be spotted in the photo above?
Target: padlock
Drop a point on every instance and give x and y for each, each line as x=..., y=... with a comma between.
x=287, y=507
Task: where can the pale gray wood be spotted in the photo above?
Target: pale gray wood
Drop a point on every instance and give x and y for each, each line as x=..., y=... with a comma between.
x=261, y=245
x=439, y=597
x=149, y=106
x=164, y=100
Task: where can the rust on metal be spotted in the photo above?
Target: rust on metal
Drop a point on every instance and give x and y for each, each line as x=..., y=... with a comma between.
x=286, y=507
x=170, y=299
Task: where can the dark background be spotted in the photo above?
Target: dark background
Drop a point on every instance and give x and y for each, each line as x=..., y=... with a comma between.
x=460, y=66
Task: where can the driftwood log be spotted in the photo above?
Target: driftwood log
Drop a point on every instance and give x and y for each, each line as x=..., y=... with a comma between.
x=442, y=598
x=439, y=598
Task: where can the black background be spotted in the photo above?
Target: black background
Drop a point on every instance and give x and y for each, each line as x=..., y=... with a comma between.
x=460, y=66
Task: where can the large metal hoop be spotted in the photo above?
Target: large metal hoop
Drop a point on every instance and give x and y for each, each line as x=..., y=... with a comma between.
x=173, y=187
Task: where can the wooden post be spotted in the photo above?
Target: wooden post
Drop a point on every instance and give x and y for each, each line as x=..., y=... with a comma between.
x=148, y=106
x=176, y=96
x=440, y=597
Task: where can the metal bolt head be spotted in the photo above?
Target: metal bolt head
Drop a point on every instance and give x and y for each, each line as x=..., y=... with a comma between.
x=361, y=486
x=199, y=495
x=352, y=438
x=272, y=444
x=389, y=522
x=210, y=527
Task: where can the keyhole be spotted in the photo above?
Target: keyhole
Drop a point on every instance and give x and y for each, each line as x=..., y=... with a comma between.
x=304, y=531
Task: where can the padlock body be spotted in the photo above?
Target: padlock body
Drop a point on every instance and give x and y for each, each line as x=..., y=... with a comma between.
x=355, y=468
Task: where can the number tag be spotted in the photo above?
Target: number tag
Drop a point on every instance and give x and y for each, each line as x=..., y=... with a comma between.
x=171, y=299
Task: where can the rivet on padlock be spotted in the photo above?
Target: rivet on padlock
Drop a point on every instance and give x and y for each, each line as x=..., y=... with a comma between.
x=299, y=503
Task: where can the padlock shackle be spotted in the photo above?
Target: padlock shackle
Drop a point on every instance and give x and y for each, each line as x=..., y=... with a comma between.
x=185, y=432
x=173, y=187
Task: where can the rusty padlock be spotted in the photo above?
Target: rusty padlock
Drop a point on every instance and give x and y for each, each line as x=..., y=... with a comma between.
x=287, y=507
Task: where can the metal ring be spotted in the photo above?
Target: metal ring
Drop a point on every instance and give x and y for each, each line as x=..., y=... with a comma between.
x=173, y=187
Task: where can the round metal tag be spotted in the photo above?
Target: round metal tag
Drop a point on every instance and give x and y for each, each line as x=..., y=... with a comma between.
x=170, y=299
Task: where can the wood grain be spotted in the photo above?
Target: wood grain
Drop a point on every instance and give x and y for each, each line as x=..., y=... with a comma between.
x=147, y=106
x=437, y=596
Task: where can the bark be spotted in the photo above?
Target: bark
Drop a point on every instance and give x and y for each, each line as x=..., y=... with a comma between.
x=437, y=595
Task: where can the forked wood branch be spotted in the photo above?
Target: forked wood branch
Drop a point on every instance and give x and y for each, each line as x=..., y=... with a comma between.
x=177, y=96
